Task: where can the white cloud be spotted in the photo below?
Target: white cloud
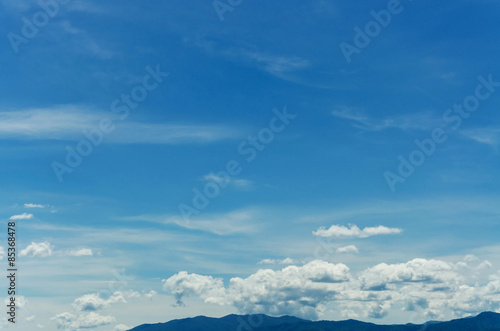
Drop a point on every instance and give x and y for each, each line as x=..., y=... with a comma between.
x=298, y=291
x=488, y=136
x=432, y=289
x=417, y=270
x=23, y=216
x=223, y=181
x=277, y=65
x=238, y=221
x=148, y=133
x=42, y=249
x=151, y=294
x=2, y=253
x=347, y=249
x=21, y=301
x=33, y=205
x=207, y=287
x=274, y=261
x=281, y=66
x=80, y=252
x=74, y=322
x=122, y=327
x=68, y=122
x=30, y=318
x=416, y=121
x=95, y=301
x=337, y=231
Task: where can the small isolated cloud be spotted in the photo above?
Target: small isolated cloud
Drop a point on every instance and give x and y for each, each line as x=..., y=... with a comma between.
x=95, y=301
x=30, y=318
x=33, y=205
x=42, y=249
x=23, y=216
x=2, y=253
x=80, y=252
x=338, y=231
x=224, y=180
x=151, y=294
x=347, y=249
x=277, y=261
x=277, y=65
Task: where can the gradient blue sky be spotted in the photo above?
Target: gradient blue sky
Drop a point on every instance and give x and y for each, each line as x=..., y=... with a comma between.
x=315, y=192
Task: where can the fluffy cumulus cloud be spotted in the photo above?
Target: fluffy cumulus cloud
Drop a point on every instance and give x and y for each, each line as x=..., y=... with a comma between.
x=34, y=249
x=23, y=216
x=430, y=288
x=300, y=291
x=353, y=231
x=208, y=288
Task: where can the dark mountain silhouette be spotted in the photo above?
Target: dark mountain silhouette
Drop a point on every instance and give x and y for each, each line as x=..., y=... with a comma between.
x=487, y=321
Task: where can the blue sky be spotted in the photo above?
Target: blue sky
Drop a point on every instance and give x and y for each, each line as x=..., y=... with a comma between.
x=321, y=204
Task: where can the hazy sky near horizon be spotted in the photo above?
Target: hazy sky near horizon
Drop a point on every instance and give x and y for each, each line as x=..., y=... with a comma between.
x=323, y=159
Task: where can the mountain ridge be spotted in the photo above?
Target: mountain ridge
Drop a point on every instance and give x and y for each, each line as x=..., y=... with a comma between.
x=485, y=321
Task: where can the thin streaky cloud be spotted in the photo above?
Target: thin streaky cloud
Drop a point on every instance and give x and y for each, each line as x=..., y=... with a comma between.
x=222, y=224
x=353, y=231
x=415, y=121
x=68, y=123
x=242, y=183
x=33, y=205
x=347, y=249
x=488, y=135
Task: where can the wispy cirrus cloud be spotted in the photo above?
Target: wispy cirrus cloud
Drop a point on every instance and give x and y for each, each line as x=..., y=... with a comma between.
x=487, y=135
x=68, y=123
x=281, y=66
x=237, y=182
x=234, y=222
x=415, y=121
x=277, y=261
